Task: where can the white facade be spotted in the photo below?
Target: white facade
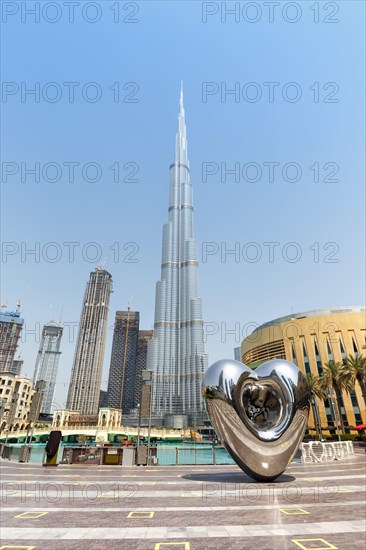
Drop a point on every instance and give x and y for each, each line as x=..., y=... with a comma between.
x=176, y=353
x=12, y=385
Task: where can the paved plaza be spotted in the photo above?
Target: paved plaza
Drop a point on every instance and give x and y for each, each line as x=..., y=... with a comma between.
x=313, y=506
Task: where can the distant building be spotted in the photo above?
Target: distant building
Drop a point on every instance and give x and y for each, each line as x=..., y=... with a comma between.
x=17, y=392
x=141, y=362
x=122, y=370
x=11, y=325
x=47, y=361
x=17, y=366
x=237, y=354
x=103, y=399
x=86, y=377
x=104, y=420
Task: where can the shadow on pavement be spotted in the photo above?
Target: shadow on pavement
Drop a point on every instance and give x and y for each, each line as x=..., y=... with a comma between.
x=235, y=477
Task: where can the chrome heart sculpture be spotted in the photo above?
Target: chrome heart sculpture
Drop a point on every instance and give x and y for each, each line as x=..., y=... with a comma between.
x=260, y=416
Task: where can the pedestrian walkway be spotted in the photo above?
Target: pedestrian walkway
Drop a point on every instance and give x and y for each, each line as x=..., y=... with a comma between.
x=312, y=506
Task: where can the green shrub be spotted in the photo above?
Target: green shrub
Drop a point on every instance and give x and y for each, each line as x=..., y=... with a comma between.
x=349, y=437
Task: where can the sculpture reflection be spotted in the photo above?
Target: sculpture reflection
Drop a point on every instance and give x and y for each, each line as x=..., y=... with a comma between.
x=260, y=416
x=263, y=405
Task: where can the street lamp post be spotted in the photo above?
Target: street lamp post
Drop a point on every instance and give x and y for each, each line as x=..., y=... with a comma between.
x=138, y=428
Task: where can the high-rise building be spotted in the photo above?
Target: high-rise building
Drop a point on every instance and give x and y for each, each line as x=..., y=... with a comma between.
x=141, y=362
x=11, y=326
x=122, y=370
x=103, y=399
x=47, y=361
x=86, y=377
x=176, y=353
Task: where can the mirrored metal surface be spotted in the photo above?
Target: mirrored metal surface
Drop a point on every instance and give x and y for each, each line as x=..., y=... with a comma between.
x=260, y=416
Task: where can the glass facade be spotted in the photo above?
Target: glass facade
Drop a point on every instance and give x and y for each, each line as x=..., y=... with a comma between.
x=47, y=361
x=176, y=354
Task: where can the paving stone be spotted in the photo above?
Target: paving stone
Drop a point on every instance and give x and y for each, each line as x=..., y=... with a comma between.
x=222, y=509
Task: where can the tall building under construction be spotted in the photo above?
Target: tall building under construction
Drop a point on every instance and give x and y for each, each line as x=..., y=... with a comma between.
x=47, y=361
x=11, y=325
x=141, y=362
x=121, y=381
x=86, y=376
x=128, y=360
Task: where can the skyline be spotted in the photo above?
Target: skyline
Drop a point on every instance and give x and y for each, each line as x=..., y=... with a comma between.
x=306, y=132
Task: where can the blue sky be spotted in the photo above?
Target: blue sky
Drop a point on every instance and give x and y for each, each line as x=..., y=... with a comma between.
x=169, y=43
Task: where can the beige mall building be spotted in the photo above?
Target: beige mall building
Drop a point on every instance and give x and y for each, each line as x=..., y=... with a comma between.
x=310, y=340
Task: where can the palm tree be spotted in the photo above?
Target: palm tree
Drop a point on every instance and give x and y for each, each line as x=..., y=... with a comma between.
x=316, y=386
x=355, y=366
x=317, y=390
x=335, y=376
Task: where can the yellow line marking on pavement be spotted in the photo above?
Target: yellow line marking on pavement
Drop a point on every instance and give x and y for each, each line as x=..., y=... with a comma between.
x=146, y=482
x=129, y=476
x=293, y=511
x=159, y=544
x=24, y=547
x=192, y=494
x=31, y=515
x=323, y=541
x=141, y=515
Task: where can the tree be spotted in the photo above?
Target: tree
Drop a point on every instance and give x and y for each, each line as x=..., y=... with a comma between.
x=335, y=376
x=316, y=385
x=317, y=390
x=355, y=367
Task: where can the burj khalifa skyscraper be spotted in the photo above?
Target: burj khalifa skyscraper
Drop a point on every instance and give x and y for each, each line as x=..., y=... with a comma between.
x=176, y=353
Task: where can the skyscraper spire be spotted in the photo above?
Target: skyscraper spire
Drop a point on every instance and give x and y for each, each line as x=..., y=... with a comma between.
x=181, y=152
x=176, y=354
